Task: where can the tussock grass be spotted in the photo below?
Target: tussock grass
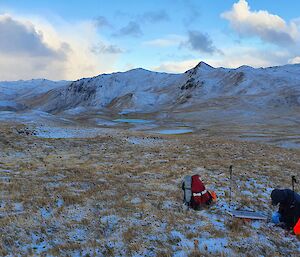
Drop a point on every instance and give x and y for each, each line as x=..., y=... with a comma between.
x=80, y=181
x=238, y=227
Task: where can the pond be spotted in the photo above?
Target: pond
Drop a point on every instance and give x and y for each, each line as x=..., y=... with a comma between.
x=175, y=131
x=134, y=121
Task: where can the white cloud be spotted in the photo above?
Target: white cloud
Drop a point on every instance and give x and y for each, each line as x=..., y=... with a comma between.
x=237, y=56
x=294, y=60
x=176, y=66
x=102, y=48
x=170, y=40
x=268, y=27
x=36, y=48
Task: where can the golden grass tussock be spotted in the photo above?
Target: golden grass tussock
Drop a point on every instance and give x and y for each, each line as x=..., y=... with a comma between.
x=56, y=186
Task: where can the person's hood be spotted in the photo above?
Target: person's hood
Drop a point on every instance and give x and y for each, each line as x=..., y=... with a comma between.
x=278, y=196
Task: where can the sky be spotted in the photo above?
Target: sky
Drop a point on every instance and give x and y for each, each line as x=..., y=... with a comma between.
x=68, y=40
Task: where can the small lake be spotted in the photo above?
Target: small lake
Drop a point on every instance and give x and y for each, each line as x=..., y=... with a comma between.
x=175, y=131
x=133, y=121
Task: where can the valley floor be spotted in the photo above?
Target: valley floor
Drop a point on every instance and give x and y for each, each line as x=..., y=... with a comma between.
x=119, y=194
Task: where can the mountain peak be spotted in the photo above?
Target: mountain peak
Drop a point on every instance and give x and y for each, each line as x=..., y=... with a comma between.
x=245, y=67
x=203, y=65
x=139, y=70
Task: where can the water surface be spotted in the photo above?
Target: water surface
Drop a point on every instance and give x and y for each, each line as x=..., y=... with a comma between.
x=174, y=131
x=138, y=121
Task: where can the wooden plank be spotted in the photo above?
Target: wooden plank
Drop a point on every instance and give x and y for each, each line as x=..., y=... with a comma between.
x=247, y=215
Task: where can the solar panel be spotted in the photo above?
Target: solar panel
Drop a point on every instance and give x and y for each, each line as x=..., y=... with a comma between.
x=247, y=215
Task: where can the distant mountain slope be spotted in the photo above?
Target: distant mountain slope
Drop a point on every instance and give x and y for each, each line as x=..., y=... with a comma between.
x=139, y=90
x=13, y=95
x=276, y=82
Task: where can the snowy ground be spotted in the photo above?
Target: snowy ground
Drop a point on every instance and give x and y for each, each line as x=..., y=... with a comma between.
x=69, y=132
x=118, y=194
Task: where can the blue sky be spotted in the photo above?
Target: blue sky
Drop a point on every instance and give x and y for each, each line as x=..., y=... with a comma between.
x=73, y=39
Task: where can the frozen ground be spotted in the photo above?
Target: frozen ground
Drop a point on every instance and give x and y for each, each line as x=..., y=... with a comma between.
x=69, y=132
x=65, y=125
x=119, y=194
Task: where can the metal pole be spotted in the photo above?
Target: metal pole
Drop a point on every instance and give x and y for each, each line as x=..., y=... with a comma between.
x=293, y=183
x=230, y=187
x=293, y=202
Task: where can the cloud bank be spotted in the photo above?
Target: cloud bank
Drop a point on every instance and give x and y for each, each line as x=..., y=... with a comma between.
x=22, y=39
x=268, y=27
x=34, y=48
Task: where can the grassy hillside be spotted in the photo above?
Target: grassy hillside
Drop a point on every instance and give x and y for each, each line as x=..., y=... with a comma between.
x=119, y=194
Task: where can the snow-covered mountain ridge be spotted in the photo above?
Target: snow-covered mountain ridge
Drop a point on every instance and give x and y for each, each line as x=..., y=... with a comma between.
x=141, y=90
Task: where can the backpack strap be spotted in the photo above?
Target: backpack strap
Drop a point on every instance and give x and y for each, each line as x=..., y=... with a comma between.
x=200, y=193
x=187, y=189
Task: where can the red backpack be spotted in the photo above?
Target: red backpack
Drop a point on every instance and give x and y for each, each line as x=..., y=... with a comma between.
x=200, y=195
